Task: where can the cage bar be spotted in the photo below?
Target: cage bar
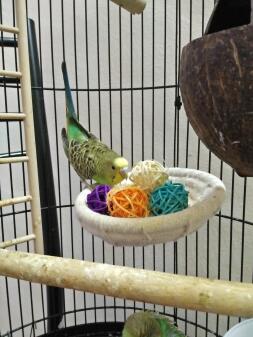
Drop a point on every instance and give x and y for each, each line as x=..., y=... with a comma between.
x=8, y=42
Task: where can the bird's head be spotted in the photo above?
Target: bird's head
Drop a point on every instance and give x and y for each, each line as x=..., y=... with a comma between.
x=142, y=324
x=116, y=170
x=119, y=168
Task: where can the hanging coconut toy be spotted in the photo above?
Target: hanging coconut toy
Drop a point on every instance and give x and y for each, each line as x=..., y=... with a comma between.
x=216, y=77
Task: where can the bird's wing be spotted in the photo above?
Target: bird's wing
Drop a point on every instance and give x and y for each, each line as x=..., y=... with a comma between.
x=83, y=159
x=168, y=328
x=65, y=142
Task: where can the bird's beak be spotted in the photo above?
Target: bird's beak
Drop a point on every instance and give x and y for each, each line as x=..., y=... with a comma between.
x=123, y=172
x=122, y=164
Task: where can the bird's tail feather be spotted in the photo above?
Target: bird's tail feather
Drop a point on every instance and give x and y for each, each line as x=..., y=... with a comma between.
x=74, y=129
x=69, y=101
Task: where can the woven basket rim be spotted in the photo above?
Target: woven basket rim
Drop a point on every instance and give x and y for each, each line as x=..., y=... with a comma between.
x=207, y=188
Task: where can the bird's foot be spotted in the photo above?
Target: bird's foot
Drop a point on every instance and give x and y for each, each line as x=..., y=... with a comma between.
x=90, y=186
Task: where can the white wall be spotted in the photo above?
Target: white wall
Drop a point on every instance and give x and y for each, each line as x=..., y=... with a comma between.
x=210, y=251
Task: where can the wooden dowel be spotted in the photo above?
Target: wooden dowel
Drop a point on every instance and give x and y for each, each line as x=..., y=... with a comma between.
x=19, y=159
x=13, y=201
x=8, y=73
x=12, y=116
x=216, y=296
x=133, y=6
x=17, y=241
x=9, y=29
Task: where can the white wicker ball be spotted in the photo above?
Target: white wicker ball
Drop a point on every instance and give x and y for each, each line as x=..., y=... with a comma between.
x=148, y=174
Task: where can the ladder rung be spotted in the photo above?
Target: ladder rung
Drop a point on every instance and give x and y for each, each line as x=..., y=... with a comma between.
x=16, y=241
x=19, y=159
x=13, y=201
x=12, y=116
x=9, y=29
x=8, y=73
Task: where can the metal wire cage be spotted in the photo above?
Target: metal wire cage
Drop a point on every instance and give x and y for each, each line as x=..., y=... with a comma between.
x=124, y=76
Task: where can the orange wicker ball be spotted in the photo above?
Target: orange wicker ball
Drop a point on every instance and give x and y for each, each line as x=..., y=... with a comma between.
x=127, y=202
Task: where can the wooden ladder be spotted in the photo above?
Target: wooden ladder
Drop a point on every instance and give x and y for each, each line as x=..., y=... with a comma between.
x=27, y=118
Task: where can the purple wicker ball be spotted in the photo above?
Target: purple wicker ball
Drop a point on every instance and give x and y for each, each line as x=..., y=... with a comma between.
x=96, y=200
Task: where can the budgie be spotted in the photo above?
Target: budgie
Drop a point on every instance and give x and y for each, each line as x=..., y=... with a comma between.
x=149, y=324
x=90, y=158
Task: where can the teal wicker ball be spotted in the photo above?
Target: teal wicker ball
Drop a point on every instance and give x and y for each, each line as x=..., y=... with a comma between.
x=168, y=198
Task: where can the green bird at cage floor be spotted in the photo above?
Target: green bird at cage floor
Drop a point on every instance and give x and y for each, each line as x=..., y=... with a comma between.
x=149, y=324
x=90, y=158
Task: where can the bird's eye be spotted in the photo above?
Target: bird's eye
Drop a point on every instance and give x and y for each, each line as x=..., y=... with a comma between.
x=113, y=167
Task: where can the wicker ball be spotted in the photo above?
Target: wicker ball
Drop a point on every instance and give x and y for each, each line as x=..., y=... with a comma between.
x=127, y=202
x=148, y=175
x=96, y=200
x=169, y=198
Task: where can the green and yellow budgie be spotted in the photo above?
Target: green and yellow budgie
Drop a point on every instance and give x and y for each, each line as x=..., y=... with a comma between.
x=90, y=158
x=149, y=324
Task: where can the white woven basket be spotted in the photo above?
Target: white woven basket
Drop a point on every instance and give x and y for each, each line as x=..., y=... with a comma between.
x=206, y=194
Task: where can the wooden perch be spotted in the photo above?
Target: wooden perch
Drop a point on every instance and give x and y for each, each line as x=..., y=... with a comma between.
x=221, y=297
x=133, y=6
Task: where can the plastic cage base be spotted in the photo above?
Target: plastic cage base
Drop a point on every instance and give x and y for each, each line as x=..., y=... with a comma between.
x=89, y=330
